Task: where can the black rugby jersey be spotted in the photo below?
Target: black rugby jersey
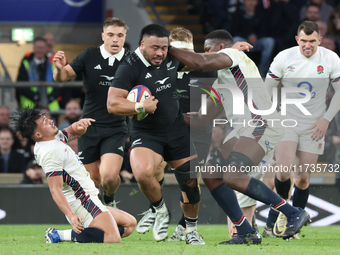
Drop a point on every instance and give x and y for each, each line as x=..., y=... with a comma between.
x=189, y=89
x=161, y=81
x=97, y=78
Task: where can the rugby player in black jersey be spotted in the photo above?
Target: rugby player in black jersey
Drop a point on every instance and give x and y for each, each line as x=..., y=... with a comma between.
x=189, y=90
x=163, y=133
x=101, y=149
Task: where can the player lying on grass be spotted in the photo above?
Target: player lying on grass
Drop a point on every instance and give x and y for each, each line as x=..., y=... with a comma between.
x=70, y=184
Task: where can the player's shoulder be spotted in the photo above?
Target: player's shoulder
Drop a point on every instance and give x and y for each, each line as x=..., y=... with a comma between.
x=132, y=60
x=90, y=51
x=232, y=52
x=327, y=53
x=126, y=53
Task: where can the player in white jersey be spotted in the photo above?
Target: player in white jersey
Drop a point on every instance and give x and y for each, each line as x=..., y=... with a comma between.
x=70, y=184
x=247, y=204
x=311, y=67
x=253, y=143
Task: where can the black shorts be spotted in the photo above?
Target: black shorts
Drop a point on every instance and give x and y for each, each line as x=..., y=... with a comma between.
x=100, y=140
x=202, y=142
x=172, y=142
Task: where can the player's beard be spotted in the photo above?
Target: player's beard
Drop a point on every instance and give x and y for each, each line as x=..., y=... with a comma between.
x=149, y=59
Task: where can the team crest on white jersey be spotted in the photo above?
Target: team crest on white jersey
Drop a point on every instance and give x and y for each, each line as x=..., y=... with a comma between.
x=319, y=69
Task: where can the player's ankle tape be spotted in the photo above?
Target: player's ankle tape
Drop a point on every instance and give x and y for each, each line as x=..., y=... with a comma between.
x=139, y=107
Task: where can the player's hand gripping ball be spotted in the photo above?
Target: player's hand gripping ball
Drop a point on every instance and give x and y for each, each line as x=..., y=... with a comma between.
x=138, y=94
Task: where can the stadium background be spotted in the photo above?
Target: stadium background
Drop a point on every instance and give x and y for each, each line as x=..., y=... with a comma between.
x=76, y=25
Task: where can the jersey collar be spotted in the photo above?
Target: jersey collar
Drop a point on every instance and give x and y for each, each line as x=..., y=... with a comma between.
x=111, y=58
x=38, y=62
x=139, y=54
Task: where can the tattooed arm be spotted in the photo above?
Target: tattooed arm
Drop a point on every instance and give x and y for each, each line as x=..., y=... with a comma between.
x=77, y=129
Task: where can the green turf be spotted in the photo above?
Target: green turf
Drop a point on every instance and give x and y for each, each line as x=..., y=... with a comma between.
x=29, y=239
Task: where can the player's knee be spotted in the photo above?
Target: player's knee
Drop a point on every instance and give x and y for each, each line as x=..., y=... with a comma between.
x=237, y=160
x=302, y=183
x=214, y=164
x=112, y=238
x=190, y=195
x=236, y=165
x=188, y=185
x=110, y=180
x=212, y=183
x=130, y=227
x=144, y=175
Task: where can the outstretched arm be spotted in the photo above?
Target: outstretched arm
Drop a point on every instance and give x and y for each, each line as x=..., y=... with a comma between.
x=201, y=62
x=77, y=129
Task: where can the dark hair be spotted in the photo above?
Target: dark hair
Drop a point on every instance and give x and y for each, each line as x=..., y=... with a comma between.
x=153, y=30
x=220, y=35
x=25, y=121
x=308, y=27
x=39, y=38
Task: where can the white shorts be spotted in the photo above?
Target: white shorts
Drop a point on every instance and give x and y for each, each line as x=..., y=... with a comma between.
x=267, y=137
x=302, y=135
x=94, y=205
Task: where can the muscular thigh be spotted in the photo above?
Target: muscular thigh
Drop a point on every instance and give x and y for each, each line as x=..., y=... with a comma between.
x=144, y=161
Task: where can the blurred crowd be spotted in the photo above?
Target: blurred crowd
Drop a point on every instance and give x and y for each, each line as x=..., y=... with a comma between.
x=269, y=25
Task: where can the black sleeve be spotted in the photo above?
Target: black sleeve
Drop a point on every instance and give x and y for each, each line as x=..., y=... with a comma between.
x=78, y=64
x=125, y=77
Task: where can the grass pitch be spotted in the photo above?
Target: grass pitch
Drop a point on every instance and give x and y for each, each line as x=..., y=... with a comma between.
x=29, y=239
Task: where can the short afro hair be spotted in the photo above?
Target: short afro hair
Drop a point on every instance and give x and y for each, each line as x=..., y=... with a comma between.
x=25, y=121
x=220, y=35
x=154, y=30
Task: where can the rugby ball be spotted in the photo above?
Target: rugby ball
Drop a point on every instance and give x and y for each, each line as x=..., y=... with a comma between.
x=138, y=94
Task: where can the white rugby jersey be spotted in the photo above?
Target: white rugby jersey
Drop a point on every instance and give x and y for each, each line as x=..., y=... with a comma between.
x=243, y=75
x=314, y=74
x=57, y=158
x=227, y=103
